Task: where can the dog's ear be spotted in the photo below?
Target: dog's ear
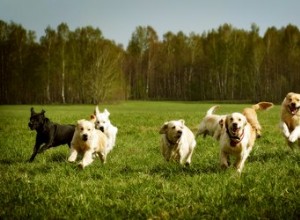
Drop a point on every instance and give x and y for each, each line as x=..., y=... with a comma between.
x=182, y=122
x=164, y=128
x=96, y=112
x=221, y=123
x=93, y=118
x=32, y=111
x=106, y=112
x=226, y=121
x=43, y=112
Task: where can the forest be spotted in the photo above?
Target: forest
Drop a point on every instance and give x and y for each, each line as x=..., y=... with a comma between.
x=82, y=66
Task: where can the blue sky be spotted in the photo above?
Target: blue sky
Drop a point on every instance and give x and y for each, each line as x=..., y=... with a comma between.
x=117, y=19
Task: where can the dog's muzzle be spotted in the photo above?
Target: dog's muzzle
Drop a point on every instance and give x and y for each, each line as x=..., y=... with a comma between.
x=101, y=128
x=294, y=108
x=84, y=137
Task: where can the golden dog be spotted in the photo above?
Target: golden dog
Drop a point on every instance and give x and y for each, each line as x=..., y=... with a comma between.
x=177, y=142
x=290, y=118
x=210, y=124
x=238, y=135
x=88, y=140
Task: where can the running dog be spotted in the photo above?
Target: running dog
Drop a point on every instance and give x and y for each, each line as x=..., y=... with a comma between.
x=48, y=134
x=290, y=118
x=88, y=140
x=210, y=124
x=177, y=142
x=238, y=135
x=103, y=123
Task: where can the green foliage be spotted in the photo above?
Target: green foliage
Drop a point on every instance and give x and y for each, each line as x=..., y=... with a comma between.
x=136, y=183
x=81, y=66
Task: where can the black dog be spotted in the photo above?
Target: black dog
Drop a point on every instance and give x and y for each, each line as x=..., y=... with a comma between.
x=48, y=133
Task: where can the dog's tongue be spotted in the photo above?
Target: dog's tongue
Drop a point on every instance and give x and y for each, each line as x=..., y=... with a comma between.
x=293, y=110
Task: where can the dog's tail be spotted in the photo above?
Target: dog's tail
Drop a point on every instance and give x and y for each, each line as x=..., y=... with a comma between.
x=212, y=110
x=262, y=106
x=251, y=115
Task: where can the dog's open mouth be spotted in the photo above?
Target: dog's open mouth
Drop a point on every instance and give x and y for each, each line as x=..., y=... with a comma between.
x=235, y=131
x=294, y=109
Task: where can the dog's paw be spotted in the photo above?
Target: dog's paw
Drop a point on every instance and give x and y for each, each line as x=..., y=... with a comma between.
x=293, y=137
x=285, y=130
x=81, y=165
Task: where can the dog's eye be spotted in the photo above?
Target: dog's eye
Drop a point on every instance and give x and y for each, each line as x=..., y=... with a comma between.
x=89, y=129
x=290, y=99
x=173, y=127
x=240, y=119
x=231, y=119
x=81, y=129
x=97, y=122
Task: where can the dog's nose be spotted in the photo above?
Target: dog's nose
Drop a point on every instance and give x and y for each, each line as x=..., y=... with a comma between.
x=101, y=128
x=234, y=125
x=179, y=132
x=293, y=105
x=84, y=137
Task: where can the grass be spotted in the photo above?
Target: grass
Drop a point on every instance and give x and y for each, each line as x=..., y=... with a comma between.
x=136, y=183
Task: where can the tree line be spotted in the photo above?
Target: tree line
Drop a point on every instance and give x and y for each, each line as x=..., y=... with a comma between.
x=82, y=66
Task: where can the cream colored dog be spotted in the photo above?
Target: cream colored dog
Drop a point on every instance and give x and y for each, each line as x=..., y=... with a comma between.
x=87, y=140
x=103, y=123
x=238, y=135
x=237, y=139
x=290, y=118
x=177, y=142
x=210, y=124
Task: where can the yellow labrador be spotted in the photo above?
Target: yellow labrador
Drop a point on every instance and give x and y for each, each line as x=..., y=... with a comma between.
x=177, y=142
x=88, y=140
x=210, y=124
x=290, y=118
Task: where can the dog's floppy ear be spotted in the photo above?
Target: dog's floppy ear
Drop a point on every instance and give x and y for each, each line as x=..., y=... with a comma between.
x=221, y=123
x=164, y=128
x=93, y=118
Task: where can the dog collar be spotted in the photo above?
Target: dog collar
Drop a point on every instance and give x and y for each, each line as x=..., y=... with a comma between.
x=171, y=142
x=234, y=140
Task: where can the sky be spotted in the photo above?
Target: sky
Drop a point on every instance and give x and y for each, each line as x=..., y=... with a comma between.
x=118, y=19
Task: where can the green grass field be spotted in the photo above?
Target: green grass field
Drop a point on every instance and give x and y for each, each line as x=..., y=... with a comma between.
x=136, y=183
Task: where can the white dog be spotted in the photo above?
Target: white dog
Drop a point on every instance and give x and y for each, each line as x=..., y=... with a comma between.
x=290, y=118
x=210, y=124
x=103, y=123
x=177, y=142
x=88, y=140
x=237, y=139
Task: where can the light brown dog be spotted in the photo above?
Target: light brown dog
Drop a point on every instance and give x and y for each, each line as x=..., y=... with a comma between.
x=88, y=140
x=238, y=135
x=210, y=124
x=290, y=118
x=177, y=142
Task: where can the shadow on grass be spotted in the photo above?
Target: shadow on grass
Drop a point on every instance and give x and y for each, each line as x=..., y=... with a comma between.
x=174, y=169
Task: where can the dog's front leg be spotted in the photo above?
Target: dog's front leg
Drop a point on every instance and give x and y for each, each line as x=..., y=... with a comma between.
x=73, y=155
x=87, y=159
x=38, y=143
x=295, y=134
x=284, y=128
x=51, y=140
x=224, y=160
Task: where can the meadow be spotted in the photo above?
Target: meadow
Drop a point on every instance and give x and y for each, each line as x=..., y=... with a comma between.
x=136, y=183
